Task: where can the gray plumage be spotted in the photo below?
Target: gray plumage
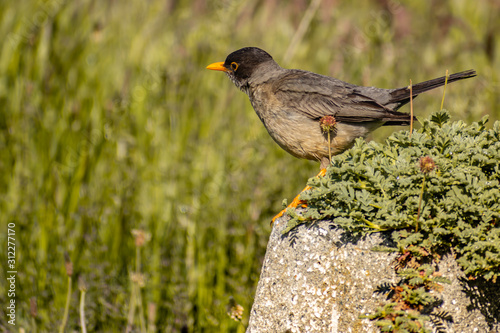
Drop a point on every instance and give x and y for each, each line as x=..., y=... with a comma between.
x=291, y=102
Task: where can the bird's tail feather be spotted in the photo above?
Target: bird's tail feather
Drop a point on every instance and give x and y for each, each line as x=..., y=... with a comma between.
x=401, y=96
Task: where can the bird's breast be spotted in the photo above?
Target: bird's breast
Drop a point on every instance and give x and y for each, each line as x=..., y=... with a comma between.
x=302, y=137
x=298, y=134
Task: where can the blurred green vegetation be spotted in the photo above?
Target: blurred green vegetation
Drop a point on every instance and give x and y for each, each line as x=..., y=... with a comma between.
x=109, y=122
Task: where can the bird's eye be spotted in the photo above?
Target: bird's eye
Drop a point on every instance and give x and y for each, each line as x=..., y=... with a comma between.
x=234, y=66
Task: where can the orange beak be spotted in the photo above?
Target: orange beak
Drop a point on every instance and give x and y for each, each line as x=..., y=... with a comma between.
x=217, y=66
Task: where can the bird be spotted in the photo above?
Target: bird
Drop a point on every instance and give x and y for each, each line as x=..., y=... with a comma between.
x=291, y=103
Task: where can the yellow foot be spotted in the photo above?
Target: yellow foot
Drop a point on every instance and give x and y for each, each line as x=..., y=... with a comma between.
x=296, y=202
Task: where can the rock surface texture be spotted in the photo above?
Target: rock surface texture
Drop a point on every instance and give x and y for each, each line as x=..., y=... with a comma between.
x=319, y=278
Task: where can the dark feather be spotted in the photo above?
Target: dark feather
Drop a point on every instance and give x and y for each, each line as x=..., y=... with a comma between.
x=317, y=96
x=401, y=96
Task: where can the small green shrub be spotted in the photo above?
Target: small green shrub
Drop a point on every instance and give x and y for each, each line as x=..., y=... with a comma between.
x=436, y=189
x=376, y=187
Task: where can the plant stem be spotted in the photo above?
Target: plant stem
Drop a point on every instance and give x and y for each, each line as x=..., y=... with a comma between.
x=444, y=89
x=131, y=310
x=33, y=325
x=141, y=311
x=66, y=307
x=151, y=317
x=137, y=259
x=138, y=290
x=82, y=311
x=411, y=108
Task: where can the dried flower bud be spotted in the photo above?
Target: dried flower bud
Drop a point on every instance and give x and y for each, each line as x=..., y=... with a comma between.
x=82, y=285
x=68, y=264
x=33, y=308
x=235, y=310
x=141, y=237
x=151, y=312
x=327, y=124
x=139, y=279
x=427, y=164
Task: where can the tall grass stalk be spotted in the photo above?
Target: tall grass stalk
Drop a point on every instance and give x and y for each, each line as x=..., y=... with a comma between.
x=82, y=311
x=68, y=265
x=444, y=89
x=62, y=327
x=132, y=307
x=83, y=290
x=301, y=30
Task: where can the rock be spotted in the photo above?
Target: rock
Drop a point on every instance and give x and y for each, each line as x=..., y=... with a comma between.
x=321, y=279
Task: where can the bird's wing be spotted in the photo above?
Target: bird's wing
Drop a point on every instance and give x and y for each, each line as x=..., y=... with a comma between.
x=317, y=96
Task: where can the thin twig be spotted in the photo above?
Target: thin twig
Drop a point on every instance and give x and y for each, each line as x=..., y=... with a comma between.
x=411, y=108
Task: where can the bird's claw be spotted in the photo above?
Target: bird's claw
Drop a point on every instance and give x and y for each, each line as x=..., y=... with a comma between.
x=297, y=201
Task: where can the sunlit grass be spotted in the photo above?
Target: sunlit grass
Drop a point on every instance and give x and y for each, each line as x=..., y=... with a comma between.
x=109, y=122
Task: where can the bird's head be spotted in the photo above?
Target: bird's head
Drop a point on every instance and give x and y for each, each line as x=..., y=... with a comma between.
x=241, y=64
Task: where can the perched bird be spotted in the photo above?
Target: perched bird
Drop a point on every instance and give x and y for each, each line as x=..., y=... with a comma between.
x=291, y=103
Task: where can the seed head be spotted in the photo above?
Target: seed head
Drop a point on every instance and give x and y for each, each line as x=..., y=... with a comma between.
x=327, y=124
x=141, y=237
x=33, y=307
x=235, y=311
x=82, y=284
x=427, y=164
x=68, y=264
x=139, y=279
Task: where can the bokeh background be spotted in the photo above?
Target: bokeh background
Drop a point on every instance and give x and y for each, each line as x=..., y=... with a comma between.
x=150, y=178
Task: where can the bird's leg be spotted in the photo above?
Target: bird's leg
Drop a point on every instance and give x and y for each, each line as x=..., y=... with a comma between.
x=296, y=202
